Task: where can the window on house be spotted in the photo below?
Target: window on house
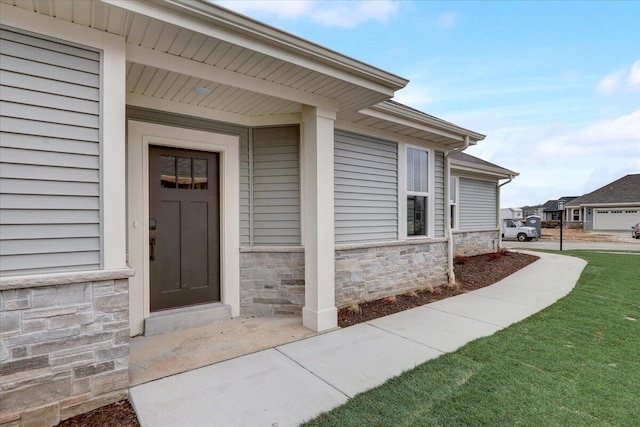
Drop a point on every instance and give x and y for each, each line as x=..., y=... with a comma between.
x=453, y=201
x=576, y=214
x=417, y=191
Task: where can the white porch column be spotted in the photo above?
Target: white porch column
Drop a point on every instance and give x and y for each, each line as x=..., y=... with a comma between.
x=319, y=312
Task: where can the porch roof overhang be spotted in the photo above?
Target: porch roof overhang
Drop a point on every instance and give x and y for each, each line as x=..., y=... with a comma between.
x=395, y=118
x=251, y=69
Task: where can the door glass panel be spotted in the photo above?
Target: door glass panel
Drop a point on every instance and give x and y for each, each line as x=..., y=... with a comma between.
x=200, y=176
x=168, y=171
x=184, y=172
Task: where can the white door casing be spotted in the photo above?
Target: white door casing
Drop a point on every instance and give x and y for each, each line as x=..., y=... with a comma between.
x=140, y=136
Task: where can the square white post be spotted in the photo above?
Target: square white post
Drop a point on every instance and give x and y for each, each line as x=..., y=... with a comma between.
x=319, y=312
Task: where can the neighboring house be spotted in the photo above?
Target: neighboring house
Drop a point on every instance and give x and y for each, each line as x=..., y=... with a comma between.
x=511, y=213
x=169, y=163
x=551, y=212
x=536, y=210
x=615, y=206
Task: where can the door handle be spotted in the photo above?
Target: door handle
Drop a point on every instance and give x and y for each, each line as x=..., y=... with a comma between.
x=152, y=246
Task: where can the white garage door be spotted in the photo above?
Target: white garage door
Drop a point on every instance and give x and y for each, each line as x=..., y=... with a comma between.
x=616, y=219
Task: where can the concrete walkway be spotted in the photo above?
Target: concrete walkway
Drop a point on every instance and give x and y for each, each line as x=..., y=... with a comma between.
x=292, y=383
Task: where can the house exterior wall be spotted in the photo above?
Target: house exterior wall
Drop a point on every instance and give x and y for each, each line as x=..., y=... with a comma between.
x=475, y=242
x=366, y=188
x=370, y=272
x=440, y=200
x=275, y=185
x=65, y=345
x=50, y=155
x=478, y=201
x=271, y=280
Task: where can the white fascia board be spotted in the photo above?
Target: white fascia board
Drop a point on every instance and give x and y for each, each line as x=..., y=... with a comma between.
x=204, y=71
x=606, y=205
x=428, y=123
x=457, y=135
x=222, y=24
x=487, y=170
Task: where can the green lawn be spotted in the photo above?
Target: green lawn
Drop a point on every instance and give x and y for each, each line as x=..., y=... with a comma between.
x=575, y=363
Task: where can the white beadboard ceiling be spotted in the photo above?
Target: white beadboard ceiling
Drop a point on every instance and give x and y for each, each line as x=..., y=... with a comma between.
x=159, y=36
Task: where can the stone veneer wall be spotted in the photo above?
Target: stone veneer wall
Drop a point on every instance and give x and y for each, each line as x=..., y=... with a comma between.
x=271, y=280
x=366, y=272
x=64, y=345
x=475, y=242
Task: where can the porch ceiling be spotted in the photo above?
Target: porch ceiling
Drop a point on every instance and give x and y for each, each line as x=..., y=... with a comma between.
x=245, y=51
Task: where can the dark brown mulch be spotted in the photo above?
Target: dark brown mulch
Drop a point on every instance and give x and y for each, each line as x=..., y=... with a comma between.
x=119, y=414
x=471, y=273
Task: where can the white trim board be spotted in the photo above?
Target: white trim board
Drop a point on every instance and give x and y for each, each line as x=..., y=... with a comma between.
x=140, y=136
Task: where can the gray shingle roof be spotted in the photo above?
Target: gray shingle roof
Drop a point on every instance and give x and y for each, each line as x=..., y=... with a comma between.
x=468, y=158
x=624, y=190
x=552, y=205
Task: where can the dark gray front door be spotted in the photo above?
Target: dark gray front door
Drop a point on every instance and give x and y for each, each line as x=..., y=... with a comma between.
x=184, y=224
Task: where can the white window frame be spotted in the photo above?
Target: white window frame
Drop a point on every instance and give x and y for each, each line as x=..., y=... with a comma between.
x=453, y=203
x=429, y=210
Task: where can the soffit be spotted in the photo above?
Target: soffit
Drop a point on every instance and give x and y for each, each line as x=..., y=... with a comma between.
x=159, y=36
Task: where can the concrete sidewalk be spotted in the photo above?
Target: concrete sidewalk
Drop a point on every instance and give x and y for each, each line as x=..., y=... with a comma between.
x=292, y=383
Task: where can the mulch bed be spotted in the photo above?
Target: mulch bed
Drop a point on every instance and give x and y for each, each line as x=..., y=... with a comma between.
x=119, y=414
x=471, y=273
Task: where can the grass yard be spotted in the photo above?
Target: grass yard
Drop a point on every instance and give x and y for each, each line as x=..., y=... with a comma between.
x=574, y=363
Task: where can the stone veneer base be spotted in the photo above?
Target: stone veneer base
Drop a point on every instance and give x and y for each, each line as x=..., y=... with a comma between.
x=470, y=243
x=64, y=345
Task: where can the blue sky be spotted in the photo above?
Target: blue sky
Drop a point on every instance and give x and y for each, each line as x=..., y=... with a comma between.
x=555, y=86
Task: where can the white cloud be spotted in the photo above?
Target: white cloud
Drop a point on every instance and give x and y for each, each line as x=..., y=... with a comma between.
x=446, y=20
x=344, y=14
x=627, y=79
x=415, y=95
x=612, y=82
x=634, y=76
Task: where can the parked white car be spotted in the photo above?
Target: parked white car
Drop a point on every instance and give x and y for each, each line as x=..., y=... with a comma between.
x=514, y=229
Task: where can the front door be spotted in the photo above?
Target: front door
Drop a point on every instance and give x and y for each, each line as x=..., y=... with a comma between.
x=184, y=227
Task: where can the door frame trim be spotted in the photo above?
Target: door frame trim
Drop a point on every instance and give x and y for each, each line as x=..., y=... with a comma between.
x=140, y=136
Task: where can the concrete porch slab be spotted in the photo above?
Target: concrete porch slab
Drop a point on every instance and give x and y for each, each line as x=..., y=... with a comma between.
x=358, y=358
x=442, y=331
x=168, y=354
x=264, y=388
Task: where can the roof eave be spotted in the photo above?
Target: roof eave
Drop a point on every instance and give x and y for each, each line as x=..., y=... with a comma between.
x=258, y=31
x=487, y=170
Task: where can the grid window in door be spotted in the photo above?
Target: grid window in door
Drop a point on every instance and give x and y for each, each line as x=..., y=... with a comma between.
x=417, y=191
x=184, y=172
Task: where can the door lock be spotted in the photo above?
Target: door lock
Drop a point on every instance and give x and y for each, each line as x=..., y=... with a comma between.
x=152, y=245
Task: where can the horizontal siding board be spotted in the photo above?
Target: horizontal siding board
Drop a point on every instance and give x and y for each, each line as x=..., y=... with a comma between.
x=365, y=188
x=52, y=173
x=47, y=246
x=13, y=264
x=48, y=231
x=478, y=204
x=31, y=40
x=44, y=143
x=43, y=84
x=52, y=72
x=49, y=100
x=49, y=115
x=19, y=186
x=30, y=201
x=53, y=216
x=49, y=155
x=276, y=185
x=31, y=157
x=55, y=130
x=440, y=201
x=47, y=56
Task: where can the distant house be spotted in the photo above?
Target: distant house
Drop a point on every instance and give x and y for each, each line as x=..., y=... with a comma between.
x=550, y=208
x=615, y=206
x=536, y=210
